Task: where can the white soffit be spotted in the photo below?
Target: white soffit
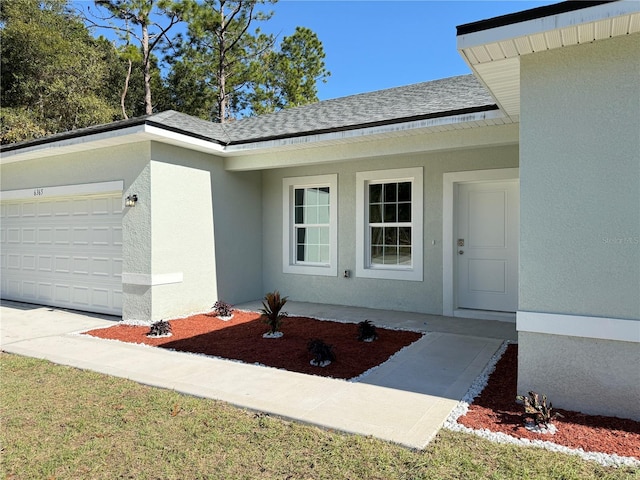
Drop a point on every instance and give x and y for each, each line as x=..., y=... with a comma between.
x=494, y=54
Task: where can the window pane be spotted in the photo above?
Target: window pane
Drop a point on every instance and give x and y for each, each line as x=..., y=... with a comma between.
x=324, y=253
x=376, y=255
x=390, y=213
x=390, y=255
x=301, y=235
x=300, y=253
x=404, y=212
x=404, y=256
x=313, y=253
x=311, y=215
x=376, y=235
x=375, y=193
x=323, y=214
x=404, y=192
x=299, y=196
x=311, y=196
x=299, y=214
x=404, y=236
x=324, y=235
x=375, y=213
x=390, y=192
x=313, y=235
x=390, y=236
x=323, y=196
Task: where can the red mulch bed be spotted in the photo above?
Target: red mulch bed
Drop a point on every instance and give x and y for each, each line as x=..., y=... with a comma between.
x=495, y=409
x=241, y=339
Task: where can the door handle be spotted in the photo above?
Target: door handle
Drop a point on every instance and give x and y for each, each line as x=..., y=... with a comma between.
x=460, y=252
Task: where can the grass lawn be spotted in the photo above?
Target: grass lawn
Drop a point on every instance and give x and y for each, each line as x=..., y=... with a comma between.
x=59, y=422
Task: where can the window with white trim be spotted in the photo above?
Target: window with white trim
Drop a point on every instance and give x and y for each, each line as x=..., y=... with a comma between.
x=389, y=224
x=310, y=225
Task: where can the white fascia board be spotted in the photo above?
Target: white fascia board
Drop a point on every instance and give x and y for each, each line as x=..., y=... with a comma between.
x=361, y=133
x=549, y=23
x=180, y=139
x=84, y=142
x=579, y=326
x=121, y=136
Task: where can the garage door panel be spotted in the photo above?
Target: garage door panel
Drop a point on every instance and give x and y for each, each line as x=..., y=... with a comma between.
x=30, y=290
x=29, y=210
x=13, y=235
x=45, y=263
x=29, y=262
x=29, y=235
x=14, y=211
x=13, y=261
x=64, y=251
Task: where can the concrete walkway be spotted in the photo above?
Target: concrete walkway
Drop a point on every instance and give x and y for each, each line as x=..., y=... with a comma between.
x=406, y=400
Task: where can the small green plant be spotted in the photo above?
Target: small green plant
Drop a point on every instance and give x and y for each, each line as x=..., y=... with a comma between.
x=535, y=407
x=223, y=309
x=367, y=331
x=323, y=353
x=161, y=328
x=272, y=313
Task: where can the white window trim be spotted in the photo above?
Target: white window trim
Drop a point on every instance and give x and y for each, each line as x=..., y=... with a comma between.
x=288, y=259
x=415, y=273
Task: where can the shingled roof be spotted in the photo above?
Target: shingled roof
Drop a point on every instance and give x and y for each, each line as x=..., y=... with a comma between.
x=439, y=98
x=449, y=96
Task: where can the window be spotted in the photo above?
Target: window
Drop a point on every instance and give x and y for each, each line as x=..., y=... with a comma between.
x=389, y=224
x=310, y=225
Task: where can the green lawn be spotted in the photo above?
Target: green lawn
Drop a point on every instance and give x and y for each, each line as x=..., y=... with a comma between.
x=59, y=422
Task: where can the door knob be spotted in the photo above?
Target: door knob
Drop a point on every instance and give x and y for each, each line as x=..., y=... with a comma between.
x=460, y=252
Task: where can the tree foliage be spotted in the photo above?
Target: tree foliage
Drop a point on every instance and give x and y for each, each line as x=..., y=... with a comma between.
x=56, y=76
x=146, y=21
x=54, y=73
x=224, y=69
x=214, y=59
x=288, y=78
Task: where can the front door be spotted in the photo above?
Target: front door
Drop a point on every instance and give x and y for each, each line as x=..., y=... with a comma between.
x=487, y=245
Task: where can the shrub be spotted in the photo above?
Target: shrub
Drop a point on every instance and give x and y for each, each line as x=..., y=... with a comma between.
x=322, y=352
x=536, y=408
x=367, y=331
x=223, y=309
x=271, y=311
x=160, y=328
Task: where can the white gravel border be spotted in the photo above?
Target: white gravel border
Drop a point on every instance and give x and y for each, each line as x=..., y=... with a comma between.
x=451, y=423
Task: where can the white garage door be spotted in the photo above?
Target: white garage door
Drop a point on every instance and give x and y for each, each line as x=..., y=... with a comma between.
x=63, y=251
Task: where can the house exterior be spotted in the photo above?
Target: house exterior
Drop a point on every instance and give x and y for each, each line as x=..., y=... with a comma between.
x=511, y=194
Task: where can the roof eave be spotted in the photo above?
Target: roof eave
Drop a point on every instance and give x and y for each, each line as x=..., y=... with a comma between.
x=109, y=135
x=492, y=48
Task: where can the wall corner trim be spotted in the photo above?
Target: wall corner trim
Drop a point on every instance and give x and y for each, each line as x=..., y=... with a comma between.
x=601, y=328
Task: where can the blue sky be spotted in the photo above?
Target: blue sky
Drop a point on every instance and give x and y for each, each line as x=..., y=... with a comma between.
x=376, y=44
x=372, y=45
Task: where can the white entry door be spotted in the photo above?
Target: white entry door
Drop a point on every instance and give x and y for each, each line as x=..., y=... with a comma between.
x=487, y=245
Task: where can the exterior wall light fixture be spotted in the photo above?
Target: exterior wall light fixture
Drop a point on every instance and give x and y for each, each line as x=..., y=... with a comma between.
x=131, y=201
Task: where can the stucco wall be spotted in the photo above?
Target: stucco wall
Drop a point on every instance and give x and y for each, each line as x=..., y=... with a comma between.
x=592, y=376
x=418, y=296
x=580, y=221
x=580, y=180
x=206, y=226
